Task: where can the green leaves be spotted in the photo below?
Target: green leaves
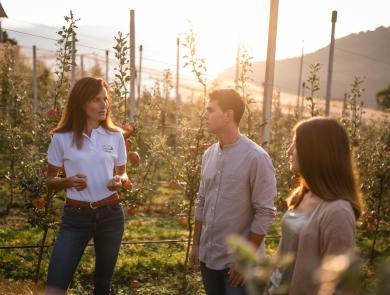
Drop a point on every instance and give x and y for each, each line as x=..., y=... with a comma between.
x=255, y=269
x=64, y=59
x=313, y=85
x=122, y=72
x=198, y=65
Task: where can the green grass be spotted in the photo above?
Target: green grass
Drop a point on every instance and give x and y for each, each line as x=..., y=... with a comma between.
x=157, y=268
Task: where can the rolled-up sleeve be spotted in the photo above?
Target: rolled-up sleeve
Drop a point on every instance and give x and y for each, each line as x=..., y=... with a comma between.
x=263, y=192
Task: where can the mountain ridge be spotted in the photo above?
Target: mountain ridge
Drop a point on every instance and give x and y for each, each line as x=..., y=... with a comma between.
x=365, y=54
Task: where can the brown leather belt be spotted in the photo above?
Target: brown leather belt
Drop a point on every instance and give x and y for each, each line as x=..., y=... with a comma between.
x=111, y=200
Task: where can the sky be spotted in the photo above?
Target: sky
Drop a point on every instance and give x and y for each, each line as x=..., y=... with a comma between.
x=220, y=24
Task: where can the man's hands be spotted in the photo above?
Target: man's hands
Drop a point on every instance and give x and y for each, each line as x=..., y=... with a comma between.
x=78, y=181
x=193, y=260
x=118, y=182
x=235, y=277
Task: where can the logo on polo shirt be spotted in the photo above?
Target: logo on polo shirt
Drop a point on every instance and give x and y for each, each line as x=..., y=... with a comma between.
x=108, y=148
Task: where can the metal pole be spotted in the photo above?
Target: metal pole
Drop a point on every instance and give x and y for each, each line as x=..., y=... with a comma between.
x=299, y=81
x=344, y=104
x=303, y=98
x=73, y=73
x=237, y=68
x=269, y=72
x=107, y=66
x=34, y=77
x=177, y=81
x=139, y=74
x=82, y=65
x=131, y=109
x=330, y=64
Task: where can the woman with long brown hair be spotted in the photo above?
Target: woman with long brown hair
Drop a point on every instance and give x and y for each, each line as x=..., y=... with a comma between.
x=89, y=147
x=322, y=211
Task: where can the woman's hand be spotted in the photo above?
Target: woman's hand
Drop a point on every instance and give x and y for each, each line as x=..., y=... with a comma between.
x=126, y=183
x=115, y=183
x=118, y=182
x=78, y=181
x=53, y=181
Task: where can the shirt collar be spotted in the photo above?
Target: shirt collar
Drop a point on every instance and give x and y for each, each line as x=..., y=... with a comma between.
x=232, y=145
x=100, y=129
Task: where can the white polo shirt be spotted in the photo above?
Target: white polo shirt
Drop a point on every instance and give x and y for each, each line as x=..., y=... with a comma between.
x=96, y=159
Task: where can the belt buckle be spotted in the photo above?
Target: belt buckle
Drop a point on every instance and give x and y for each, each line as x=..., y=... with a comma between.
x=91, y=206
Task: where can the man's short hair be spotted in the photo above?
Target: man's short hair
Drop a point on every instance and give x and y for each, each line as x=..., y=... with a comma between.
x=229, y=99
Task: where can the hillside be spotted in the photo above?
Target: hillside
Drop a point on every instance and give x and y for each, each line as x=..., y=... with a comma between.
x=366, y=54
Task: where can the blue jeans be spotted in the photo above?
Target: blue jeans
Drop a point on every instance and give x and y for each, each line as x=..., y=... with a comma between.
x=105, y=225
x=216, y=282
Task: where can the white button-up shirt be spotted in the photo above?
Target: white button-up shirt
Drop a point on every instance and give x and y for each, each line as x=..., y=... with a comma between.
x=96, y=159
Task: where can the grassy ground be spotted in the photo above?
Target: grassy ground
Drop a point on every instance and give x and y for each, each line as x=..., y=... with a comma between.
x=149, y=265
x=141, y=268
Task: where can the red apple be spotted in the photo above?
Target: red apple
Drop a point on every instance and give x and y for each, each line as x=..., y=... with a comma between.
x=130, y=211
x=39, y=202
x=52, y=112
x=355, y=142
x=134, y=284
x=192, y=150
x=183, y=220
x=134, y=158
x=127, y=129
x=173, y=184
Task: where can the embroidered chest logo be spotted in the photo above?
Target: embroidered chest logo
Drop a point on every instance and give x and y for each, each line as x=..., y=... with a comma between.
x=108, y=148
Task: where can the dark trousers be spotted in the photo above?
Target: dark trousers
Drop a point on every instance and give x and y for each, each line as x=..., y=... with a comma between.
x=105, y=225
x=216, y=282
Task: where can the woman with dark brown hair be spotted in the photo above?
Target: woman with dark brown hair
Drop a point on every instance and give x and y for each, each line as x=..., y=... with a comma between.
x=89, y=147
x=322, y=211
